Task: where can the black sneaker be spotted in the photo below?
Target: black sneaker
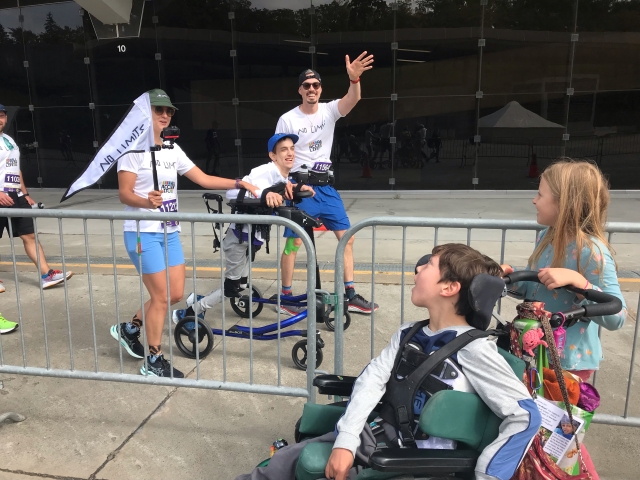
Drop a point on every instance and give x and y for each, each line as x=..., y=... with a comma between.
x=130, y=341
x=359, y=305
x=160, y=368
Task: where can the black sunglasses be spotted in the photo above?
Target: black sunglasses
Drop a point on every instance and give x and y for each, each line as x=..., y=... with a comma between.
x=315, y=85
x=160, y=110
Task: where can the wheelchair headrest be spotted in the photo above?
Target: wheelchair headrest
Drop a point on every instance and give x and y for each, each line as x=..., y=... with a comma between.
x=484, y=292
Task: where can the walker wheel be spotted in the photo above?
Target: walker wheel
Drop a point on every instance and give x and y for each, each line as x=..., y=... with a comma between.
x=185, y=337
x=299, y=355
x=240, y=305
x=329, y=322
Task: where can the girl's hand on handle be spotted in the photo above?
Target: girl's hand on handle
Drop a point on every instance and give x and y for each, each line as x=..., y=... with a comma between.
x=155, y=197
x=553, y=278
x=507, y=269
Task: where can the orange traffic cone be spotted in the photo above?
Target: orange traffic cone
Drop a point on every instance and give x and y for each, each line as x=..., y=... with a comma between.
x=366, y=170
x=533, y=168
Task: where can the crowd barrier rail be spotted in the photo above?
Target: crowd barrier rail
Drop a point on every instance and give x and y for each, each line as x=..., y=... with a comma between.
x=469, y=225
x=191, y=219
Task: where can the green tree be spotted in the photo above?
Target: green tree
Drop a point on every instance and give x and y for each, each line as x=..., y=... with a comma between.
x=5, y=38
x=23, y=36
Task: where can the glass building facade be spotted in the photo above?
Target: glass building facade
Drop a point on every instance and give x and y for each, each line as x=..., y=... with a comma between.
x=463, y=94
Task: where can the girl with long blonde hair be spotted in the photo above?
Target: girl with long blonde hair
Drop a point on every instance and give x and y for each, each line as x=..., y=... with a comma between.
x=572, y=203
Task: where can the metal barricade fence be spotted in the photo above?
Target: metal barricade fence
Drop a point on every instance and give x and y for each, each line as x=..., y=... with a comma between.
x=469, y=225
x=95, y=373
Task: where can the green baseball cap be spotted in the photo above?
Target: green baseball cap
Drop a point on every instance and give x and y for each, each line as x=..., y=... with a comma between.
x=159, y=98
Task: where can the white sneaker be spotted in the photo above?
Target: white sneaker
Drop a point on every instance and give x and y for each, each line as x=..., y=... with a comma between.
x=54, y=277
x=1, y=287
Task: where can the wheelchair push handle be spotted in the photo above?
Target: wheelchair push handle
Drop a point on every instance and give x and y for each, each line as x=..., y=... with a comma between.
x=605, y=304
x=213, y=196
x=299, y=195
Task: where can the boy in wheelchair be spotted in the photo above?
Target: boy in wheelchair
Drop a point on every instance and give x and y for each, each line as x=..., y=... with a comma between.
x=273, y=179
x=460, y=311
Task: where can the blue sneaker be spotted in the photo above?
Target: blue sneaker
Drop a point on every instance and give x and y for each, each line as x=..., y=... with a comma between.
x=178, y=315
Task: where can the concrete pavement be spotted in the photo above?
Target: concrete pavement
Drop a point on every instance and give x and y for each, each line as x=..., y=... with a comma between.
x=101, y=430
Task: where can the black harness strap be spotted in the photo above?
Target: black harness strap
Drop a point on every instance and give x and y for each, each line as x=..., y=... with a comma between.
x=400, y=393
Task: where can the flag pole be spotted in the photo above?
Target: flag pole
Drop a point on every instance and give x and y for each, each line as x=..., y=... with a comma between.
x=153, y=150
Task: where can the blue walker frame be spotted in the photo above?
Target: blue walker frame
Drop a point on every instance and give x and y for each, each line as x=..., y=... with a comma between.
x=185, y=326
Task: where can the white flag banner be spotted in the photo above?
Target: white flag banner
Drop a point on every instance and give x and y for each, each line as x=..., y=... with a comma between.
x=133, y=134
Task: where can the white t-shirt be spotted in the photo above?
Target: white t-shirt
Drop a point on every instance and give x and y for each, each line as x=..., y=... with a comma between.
x=169, y=163
x=9, y=165
x=316, y=135
x=262, y=177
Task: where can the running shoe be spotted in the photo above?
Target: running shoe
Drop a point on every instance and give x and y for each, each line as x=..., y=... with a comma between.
x=287, y=309
x=54, y=277
x=359, y=305
x=290, y=309
x=130, y=341
x=1, y=287
x=160, y=368
x=6, y=326
x=190, y=298
x=178, y=315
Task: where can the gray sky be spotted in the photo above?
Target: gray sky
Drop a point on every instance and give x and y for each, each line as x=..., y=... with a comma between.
x=65, y=14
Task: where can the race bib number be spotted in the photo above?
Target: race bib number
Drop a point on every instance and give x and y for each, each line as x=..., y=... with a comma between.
x=321, y=167
x=170, y=206
x=11, y=182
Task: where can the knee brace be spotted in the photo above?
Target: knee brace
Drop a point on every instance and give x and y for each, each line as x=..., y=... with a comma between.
x=290, y=246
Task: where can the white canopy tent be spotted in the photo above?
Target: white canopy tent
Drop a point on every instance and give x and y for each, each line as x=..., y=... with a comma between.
x=515, y=124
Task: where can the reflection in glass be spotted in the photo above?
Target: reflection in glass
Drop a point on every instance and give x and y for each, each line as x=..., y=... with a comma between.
x=55, y=51
x=432, y=142
x=65, y=143
x=15, y=85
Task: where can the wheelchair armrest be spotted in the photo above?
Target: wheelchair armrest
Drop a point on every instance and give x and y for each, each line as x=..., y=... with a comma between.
x=424, y=461
x=334, y=385
x=247, y=202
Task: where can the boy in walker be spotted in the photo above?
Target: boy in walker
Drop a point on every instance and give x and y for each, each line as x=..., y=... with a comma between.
x=442, y=281
x=235, y=244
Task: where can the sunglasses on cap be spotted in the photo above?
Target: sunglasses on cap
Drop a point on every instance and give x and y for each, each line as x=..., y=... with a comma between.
x=423, y=261
x=315, y=85
x=160, y=110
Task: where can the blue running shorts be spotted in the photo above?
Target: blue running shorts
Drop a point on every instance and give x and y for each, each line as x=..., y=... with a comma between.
x=153, y=248
x=326, y=205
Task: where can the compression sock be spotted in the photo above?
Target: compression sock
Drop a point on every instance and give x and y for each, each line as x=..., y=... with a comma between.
x=349, y=290
x=133, y=326
x=154, y=352
x=137, y=322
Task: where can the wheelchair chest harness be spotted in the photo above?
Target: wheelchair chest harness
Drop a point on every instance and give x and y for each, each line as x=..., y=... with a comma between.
x=417, y=375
